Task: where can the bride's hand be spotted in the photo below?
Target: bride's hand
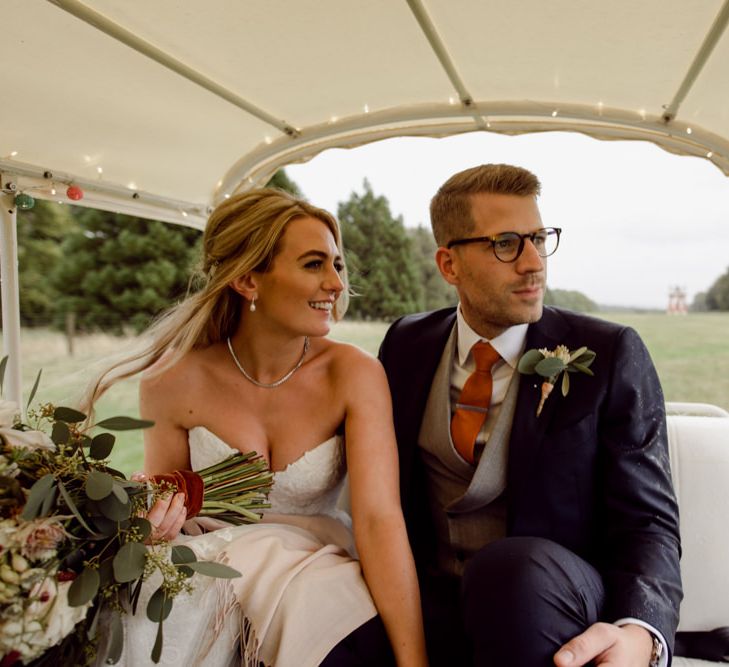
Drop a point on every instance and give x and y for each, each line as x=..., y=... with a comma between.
x=167, y=515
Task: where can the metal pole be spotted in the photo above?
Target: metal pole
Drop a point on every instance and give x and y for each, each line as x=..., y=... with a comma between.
x=13, y=385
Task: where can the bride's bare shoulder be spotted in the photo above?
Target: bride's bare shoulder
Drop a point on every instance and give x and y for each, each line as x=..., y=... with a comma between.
x=188, y=372
x=349, y=361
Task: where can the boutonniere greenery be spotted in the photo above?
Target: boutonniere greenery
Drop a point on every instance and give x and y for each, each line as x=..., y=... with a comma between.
x=550, y=364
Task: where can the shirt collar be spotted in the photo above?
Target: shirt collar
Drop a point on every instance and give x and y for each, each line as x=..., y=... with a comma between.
x=509, y=344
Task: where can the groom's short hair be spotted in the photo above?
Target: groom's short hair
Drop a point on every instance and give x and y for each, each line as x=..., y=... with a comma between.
x=450, y=209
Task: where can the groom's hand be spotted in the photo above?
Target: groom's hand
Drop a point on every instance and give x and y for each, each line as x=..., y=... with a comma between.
x=608, y=645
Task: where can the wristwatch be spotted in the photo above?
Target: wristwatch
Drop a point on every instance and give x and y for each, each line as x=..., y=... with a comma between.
x=657, y=652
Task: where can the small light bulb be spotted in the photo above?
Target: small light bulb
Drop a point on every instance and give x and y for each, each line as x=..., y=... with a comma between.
x=554, y=113
x=13, y=153
x=184, y=214
x=100, y=170
x=710, y=154
x=366, y=108
x=689, y=130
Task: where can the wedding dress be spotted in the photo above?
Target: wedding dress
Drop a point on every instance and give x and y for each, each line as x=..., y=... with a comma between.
x=301, y=590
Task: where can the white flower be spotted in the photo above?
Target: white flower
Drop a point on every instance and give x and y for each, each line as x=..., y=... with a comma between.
x=8, y=413
x=27, y=439
x=561, y=352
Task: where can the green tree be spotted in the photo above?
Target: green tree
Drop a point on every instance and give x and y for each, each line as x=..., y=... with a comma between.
x=437, y=292
x=119, y=272
x=380, y=259
x=282, y=181
x=571, y=299
x=40, y=232
x=717, y=296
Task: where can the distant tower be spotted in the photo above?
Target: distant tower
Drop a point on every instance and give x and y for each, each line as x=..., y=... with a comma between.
x=677, y=301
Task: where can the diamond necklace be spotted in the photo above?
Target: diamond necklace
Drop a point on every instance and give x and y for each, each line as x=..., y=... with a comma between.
x=272, y=384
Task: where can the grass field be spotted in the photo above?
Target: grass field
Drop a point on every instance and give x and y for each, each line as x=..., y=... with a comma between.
x=691, y=354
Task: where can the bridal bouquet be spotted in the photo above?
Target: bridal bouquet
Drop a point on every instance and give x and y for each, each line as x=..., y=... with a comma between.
x=74, y=543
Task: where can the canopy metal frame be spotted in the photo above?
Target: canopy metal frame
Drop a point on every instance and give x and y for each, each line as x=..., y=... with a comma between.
x=663, y=127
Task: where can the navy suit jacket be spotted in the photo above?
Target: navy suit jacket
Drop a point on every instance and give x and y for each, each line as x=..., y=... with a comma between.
x=591, y=472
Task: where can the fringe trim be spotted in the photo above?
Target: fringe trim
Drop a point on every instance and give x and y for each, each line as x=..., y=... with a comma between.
x=246, y=637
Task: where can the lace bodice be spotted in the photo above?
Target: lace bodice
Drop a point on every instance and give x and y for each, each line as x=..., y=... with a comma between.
x=309, y=485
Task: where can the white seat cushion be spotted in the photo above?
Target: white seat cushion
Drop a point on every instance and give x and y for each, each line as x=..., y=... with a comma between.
x=699, y=451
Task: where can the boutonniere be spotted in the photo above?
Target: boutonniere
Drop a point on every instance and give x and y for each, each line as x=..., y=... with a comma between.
x=551, y=363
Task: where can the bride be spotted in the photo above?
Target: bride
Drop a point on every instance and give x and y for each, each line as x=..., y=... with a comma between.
x=244, y=364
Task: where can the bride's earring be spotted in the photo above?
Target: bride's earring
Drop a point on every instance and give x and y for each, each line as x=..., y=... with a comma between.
x=252, y=307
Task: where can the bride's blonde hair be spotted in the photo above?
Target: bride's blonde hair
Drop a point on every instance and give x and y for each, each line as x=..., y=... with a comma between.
x=243, y=234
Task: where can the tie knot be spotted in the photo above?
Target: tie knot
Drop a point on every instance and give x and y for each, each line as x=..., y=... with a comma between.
x=485, y=356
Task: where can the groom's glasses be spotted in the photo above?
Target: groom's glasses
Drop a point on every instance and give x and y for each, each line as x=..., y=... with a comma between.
x=508, y=246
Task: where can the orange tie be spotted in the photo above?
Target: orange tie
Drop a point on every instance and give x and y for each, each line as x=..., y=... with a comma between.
x=473, y=403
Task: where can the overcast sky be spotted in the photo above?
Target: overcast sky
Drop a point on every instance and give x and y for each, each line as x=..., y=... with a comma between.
x=636, y=220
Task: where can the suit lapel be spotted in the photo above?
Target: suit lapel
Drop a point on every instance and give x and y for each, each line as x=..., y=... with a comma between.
x=528, y=430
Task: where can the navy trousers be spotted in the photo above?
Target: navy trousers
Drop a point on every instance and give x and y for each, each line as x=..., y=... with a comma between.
x=519, y=601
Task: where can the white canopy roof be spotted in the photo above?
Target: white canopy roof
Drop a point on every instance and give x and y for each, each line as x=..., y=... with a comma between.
x=160, y=108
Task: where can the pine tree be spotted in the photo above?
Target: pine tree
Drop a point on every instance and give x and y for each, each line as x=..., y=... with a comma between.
x=717, y=296
x=40, y=233
x=282, y=181
x=437, y=292
x=119, y=272
x=380, y=259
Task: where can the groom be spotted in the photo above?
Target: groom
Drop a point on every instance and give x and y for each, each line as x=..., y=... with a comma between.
x=538, y=538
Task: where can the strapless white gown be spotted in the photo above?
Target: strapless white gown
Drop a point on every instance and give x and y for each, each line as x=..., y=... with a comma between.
x=301, y=590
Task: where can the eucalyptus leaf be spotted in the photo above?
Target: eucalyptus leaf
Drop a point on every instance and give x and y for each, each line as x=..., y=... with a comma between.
x=34, y=389
x=60, y=433
x=72, y=506
x=124, y=423
x=98, y=485
x=182, y=554
x=101, y=446
x=576, y=353
x=157, y=648
x=582, y=368
x=104, y=526
x=144, y=527
x=129, y=562
x=83, y=588
x=106, y=572
x=120, y=493
x=528, y=362
x=3, y=365
x=134, y=598
x=49, y=501
x=587, y=358
x=68, y=415
x=112, y=508
x=116, y=639
x=550, y=367
x=214, y=569
x=565, y=383
x=185, y=570
x=94, y=625
x=37, y=496
x=159, y=606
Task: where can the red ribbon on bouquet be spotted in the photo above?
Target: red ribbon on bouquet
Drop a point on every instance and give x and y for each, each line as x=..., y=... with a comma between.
x=187, y=482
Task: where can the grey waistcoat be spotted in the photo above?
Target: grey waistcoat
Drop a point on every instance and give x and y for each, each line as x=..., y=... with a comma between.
x=466, y=503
